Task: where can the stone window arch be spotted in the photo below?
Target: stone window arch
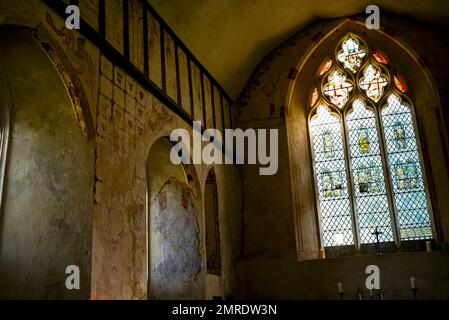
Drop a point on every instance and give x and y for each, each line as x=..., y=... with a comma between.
x=5, y=104
x=340, y=105
x=369, y=177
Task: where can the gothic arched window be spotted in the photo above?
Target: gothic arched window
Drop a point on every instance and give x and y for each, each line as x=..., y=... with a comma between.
x=369, y=174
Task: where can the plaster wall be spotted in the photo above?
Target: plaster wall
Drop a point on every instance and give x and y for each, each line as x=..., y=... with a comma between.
x=122, y=121
x=46, y=220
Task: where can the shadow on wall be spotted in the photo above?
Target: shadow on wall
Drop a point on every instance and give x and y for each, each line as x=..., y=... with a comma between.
x=175, y=260
x=46, y=212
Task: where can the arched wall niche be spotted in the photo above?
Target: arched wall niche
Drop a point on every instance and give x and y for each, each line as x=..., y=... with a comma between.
x=213, y=235
x=211, y=212
x=49, y=179
x=67, y=70
x=228, y=204
x=228, y=200
x=175, y=246
x=425, y=97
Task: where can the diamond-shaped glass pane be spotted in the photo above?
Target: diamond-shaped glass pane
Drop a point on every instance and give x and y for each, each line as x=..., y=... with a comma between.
x=370, y=191
x=330, y=175
x=406, y=171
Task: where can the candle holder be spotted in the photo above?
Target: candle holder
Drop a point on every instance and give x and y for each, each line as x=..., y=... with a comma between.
x=414, y=290
x=380, y=295
x=341, y=294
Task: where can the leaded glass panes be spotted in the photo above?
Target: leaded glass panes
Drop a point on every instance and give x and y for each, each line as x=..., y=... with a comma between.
x=373, y=82
x=352, y=54
x=406, y=172
x=338, y=88
x=335, y=212
x=400, y=83
x=326, y=66
x=370, y=191
x=314, y=97
x=380, y=57
x=398, y=208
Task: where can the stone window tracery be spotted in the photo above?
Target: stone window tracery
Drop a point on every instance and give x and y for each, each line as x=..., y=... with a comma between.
x=368, y=169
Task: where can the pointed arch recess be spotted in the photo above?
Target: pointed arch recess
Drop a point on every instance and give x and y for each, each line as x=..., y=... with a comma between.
x=302, y=100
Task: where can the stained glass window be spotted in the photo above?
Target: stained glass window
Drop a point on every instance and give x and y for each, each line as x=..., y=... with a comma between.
x=367, y=163
x=352, y=54
x=370, y=192
x=406, y=172
x=314, y=97
x=325, y=67
x=400, y=83
x=373, y=82
x=338, y=88
x=380, y=57
x=336, y=217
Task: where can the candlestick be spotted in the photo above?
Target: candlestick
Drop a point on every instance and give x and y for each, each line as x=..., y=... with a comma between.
x=359, y=295
x=414, y=293
x=371, y=294
x=429, y=246
x=380, y=295
x=322, y=254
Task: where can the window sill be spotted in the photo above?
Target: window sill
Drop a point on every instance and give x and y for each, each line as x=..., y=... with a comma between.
x=384, y=249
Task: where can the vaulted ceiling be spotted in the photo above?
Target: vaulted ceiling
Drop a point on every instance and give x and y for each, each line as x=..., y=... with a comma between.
x=230, y=37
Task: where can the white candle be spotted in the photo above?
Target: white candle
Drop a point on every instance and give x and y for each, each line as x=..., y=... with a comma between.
x=413, y=283
x=429, y=246
x=340, y=287
x=360, y=295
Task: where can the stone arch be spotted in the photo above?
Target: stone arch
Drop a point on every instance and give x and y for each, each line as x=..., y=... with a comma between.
x=67, y=69
x=213, y=234
x=211, y=213
x=48, y=195
x=5, y=122
x=426, y=101
x=175, y=266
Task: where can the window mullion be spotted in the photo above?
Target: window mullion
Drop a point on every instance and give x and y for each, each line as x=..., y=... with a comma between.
x=387, y=177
